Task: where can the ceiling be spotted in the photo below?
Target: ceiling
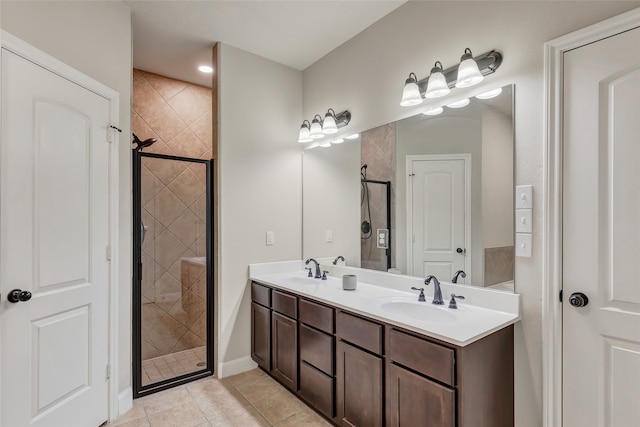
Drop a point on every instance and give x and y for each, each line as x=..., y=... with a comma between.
x=173, y=38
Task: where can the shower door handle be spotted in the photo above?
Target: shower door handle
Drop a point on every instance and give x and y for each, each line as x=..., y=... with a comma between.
x=144, y=231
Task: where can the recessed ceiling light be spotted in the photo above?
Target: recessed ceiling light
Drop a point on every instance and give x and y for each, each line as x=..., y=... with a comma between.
x=490, y=94
x=205, y=69
x=459, y=104
x=433, y=111
x=354, y=136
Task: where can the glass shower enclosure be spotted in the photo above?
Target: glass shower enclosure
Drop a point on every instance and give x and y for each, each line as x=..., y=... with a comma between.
x=172, y=271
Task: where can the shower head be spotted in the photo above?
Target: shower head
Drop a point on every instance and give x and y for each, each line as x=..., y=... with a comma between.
x=142, y=144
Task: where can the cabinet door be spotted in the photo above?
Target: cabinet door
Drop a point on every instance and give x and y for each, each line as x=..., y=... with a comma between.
x=415, y=400
x=359, y=387
x=284, y=337
x=261, y=335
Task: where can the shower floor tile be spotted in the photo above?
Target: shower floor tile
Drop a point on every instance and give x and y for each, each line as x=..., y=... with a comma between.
x=174, y=364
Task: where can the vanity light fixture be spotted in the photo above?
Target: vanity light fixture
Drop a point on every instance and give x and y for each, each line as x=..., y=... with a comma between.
x=329, y=126
x=353, y=136
x=315, y=132
x=468, y=72
x=411, y=92
x=434, y=111
x=437, y=85
x=318, y=128
x=460, y=75
x=304, y=132
x=490, y=94
x=459, y=104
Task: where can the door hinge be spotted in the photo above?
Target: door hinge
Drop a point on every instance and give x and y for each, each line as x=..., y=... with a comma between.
x=108, y=252
x=108, y=371
x=560, y=295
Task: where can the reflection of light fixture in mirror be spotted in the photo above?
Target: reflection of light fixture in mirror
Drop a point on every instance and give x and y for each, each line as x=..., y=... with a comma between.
x=459, y=104
x=434, y=111
x=205, y=69
x=354, y=136
x=337, y=141
x=325, y=144
x=437, y=85
x=490, y=94
x=304, y=132
x=468, y=72
x=316, y=128
x=411, y=92
x=329, y=123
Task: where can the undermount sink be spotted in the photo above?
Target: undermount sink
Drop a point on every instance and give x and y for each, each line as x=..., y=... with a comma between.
x=422, y=311
x=302, y=280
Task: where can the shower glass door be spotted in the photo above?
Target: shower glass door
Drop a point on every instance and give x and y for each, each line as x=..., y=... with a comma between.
x=172, y=291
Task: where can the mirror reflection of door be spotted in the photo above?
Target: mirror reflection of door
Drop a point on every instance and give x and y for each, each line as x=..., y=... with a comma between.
x=438, y=214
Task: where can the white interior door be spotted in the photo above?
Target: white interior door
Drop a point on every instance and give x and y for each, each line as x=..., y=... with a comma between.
x=54, y=229
x=439, y=215
x=601, y=233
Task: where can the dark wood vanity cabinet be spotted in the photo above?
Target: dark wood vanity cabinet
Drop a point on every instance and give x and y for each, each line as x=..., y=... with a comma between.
x=261, y=325
x=361, y=372
x=284, y=339
x=317, y=356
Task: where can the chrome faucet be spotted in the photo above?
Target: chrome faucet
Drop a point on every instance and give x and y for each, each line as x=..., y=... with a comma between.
x=437, y=293
x=317, y=276
x=338, y=258
x=458, y=273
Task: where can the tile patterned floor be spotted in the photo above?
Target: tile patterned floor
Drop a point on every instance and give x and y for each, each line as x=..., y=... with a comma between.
x=172, y=365
x=245, y=400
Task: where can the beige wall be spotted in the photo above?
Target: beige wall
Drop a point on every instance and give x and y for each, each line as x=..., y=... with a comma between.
x=94, y=38
x=260, y=185
x=366, y=75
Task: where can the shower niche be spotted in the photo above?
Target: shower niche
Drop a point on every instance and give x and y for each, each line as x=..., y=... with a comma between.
x=173, y=270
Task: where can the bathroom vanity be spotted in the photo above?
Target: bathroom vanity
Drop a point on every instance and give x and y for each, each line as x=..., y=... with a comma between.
x=357, y=357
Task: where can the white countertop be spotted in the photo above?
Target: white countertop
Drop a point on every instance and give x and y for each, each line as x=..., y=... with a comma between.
x=482, y=312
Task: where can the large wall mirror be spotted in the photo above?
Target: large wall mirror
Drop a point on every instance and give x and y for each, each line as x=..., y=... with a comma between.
x=430, y=194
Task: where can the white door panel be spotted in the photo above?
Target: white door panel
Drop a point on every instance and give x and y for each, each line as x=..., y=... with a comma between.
x=438, y=215
x=54, y=228
x=601, y=233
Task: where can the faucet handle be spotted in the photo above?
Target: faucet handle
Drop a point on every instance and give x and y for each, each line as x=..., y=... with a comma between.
x=310, y=273
x=324, y=274
x=452, y=303
x=421, y=296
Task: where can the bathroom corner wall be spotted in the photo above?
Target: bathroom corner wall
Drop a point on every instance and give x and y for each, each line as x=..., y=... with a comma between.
x=260, y=188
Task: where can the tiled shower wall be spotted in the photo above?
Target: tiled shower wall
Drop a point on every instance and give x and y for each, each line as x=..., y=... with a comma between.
x=378, y=151
x=179, y=116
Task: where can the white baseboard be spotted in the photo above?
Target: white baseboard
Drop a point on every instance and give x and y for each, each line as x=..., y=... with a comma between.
x=125, y=401
x=237, y=366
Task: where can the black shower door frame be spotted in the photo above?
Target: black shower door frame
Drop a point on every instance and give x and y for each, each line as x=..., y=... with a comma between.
x=139, y=389
x=387, y=184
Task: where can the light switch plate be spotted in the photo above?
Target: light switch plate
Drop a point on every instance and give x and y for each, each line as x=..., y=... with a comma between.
x=270, y=238
x=524, y=197
x=383, y=238
x=524, y=222
x=523, y=245
x=329, y=236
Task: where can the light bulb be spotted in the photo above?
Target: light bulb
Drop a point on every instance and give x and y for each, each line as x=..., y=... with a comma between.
x=411, y=92
x=437, y=85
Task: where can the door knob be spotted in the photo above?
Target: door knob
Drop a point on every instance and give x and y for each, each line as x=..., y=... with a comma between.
x=578, y=299
x=460, y=250
x=18, y=295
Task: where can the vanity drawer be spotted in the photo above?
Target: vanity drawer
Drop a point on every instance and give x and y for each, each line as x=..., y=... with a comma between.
x=426, y=357
x=317, y=389
x=316, y=348
x=260, y=294
x=316, y=315
x=284, y=304
x=358, y=331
